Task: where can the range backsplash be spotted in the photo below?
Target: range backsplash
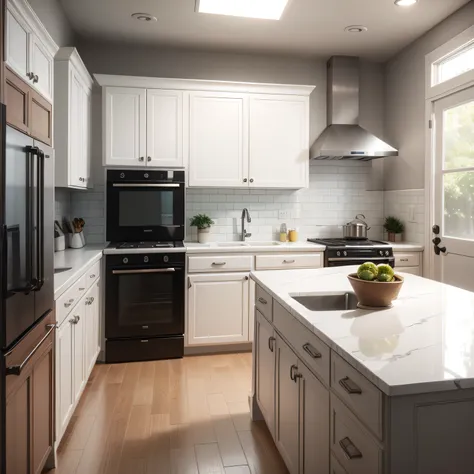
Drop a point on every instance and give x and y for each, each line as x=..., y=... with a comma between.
x=336, y=193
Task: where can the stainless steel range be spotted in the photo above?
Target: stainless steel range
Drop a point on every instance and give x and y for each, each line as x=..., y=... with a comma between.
x=340, y=252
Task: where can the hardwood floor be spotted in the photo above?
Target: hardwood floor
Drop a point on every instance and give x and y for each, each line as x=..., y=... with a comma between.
x=183, y=416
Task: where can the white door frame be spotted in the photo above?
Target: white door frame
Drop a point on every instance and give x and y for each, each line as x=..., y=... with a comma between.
x=434, y=92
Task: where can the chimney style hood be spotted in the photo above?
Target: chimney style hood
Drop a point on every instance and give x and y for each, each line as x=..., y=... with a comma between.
x=344, y=138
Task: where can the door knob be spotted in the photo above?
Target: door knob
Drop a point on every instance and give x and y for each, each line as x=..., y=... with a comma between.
x=436, y=229
x=436, y=240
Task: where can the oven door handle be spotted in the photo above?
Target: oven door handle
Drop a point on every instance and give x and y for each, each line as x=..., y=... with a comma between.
x=145, y=185
x=350, y=259
x=145, y=270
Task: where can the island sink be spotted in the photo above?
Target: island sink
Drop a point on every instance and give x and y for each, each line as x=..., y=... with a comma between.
x=334, y=302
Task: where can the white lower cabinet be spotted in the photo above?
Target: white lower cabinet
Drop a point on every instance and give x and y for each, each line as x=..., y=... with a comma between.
x=265, y=369
x=287, y=411
x=77, y=348
x=218, y=308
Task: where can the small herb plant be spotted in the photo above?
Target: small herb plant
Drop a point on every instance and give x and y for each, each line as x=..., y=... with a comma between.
x=201, y=221
x=394, y=225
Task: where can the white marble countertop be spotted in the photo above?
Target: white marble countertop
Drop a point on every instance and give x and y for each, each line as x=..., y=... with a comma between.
x=79, y=260
x=406, y=246
x=424, y=343
x=262, y=247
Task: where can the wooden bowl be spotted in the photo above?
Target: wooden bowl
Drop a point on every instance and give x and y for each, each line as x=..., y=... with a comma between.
x=375, y=294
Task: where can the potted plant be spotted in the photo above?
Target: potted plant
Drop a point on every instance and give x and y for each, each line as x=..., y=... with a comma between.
x=395, y=228
x=203, y=223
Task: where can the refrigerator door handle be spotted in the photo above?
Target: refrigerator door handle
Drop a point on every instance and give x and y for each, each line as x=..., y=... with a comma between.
x=40, y=220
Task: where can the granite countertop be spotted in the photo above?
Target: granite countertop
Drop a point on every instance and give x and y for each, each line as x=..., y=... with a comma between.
x=79, y=260
x=424, y=343
x=250, y=247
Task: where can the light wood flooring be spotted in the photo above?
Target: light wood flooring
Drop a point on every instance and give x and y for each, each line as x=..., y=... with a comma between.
x=184, y=416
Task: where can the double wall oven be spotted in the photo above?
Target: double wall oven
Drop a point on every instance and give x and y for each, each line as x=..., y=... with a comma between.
x=145, y=265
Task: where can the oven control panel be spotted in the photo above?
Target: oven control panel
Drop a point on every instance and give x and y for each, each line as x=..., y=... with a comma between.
x=146, y=260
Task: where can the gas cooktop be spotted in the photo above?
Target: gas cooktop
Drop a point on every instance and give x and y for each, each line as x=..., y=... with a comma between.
x=348, y=242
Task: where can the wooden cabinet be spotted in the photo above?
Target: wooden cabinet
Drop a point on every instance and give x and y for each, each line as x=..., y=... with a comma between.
x=29, y=402
x=29, y=48
x=218, y=308
x=72, y=123
x=314, y=423
x=164, y=128
x=279, y=141
x=27, y=111
x=218, y=139
x=124, y=126
x=287, y=405
x=265, y=369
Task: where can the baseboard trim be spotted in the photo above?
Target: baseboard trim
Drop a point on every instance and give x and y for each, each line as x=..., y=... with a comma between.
x=219, y=349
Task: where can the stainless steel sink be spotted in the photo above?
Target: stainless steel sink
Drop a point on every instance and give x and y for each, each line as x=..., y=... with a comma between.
x=62, y=269
x=335, y=302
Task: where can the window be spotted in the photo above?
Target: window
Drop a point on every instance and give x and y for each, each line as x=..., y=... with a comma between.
x=454, y=65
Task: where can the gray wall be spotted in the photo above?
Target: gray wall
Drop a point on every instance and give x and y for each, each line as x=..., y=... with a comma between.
x=405, y=125
x=113, y=58
x=51, y=14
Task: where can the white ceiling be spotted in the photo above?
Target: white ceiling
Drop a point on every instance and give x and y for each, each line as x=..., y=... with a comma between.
x=307, y=27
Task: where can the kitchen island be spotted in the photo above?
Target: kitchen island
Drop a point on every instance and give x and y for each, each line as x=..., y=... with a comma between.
x=356, y=391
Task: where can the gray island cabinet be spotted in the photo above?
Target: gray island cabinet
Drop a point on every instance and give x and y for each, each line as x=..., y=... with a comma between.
x=357, y=392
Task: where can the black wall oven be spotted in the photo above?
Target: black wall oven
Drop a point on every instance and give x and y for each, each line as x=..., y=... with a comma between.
x=144, y=315
x=145, y=205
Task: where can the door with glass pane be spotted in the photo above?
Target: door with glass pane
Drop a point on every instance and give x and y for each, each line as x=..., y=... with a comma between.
x=453, y=232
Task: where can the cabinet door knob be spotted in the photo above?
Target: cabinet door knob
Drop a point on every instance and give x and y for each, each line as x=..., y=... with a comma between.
x=149, y=158
x=35, y=79
x=271, y=340
x=141, y=158
x=245, y=180
x=251, y=180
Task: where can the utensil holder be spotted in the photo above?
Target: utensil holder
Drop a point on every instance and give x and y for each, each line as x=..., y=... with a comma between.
x=77, y=241
x=59, y=243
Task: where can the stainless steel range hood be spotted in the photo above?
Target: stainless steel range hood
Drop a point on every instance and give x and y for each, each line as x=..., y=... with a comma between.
x=344, y=138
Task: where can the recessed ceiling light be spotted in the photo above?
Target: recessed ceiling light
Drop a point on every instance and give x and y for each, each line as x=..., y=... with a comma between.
x=144, y=17
x=356, y=29
x=263, y=9
x=405, y=3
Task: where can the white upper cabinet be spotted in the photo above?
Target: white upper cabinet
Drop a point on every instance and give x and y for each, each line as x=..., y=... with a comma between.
x=218, y=139
x=279, y=141
x=72, y=120
x=30, y=50
x=164, y=123
x=125, y=126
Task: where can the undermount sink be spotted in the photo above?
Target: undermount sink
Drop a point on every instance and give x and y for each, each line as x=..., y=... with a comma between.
x=62, y=269
x=231, y=244
x=335, y=302
x=262, y=244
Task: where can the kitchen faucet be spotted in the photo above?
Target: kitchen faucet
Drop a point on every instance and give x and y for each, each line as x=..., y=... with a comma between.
x=244, y=231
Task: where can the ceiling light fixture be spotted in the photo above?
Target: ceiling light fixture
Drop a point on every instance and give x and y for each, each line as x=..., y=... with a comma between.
x=356, y=29
x=144, y=17
x=262, y=9
x=405, y=3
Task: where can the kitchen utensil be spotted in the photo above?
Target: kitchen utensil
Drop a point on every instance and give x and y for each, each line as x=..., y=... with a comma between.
x=356, y=229
x=375, y=294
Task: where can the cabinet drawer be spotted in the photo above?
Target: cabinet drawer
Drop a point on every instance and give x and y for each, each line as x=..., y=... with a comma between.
x=360, y=395
x=307, y=345
x=220, y=263
x=410, y=270
x=93, y=273
x=264, y=303
x=352, y=445
x=287, y=261
x=407, y=259
x=66, y=302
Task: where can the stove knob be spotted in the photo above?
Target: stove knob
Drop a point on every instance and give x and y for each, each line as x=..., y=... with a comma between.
x=146, y=259
x=381, y=253
x=125, y=260
x=387, y=253
x=166, y=259
x=122, y=175
x=338, y=254
x=345, y=253
x=146, y=175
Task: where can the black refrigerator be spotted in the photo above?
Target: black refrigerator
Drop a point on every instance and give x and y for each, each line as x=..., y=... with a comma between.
x=27, y=264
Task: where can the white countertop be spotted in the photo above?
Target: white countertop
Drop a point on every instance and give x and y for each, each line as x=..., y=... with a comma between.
x=219, y=247
x=79, y=260
x=424, y=343
x=406, y=246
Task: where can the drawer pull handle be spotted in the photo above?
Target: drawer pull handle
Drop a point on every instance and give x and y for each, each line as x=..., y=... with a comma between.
x=263, y=300
x=144, y=340
x=312, y=351
x=350, y=450
x=288, y=261
x=92, y=276
x=349, y=386
x=81, y=289
x=271, y=340
x=218, y=264
x=404, y=260
x=294, y=375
